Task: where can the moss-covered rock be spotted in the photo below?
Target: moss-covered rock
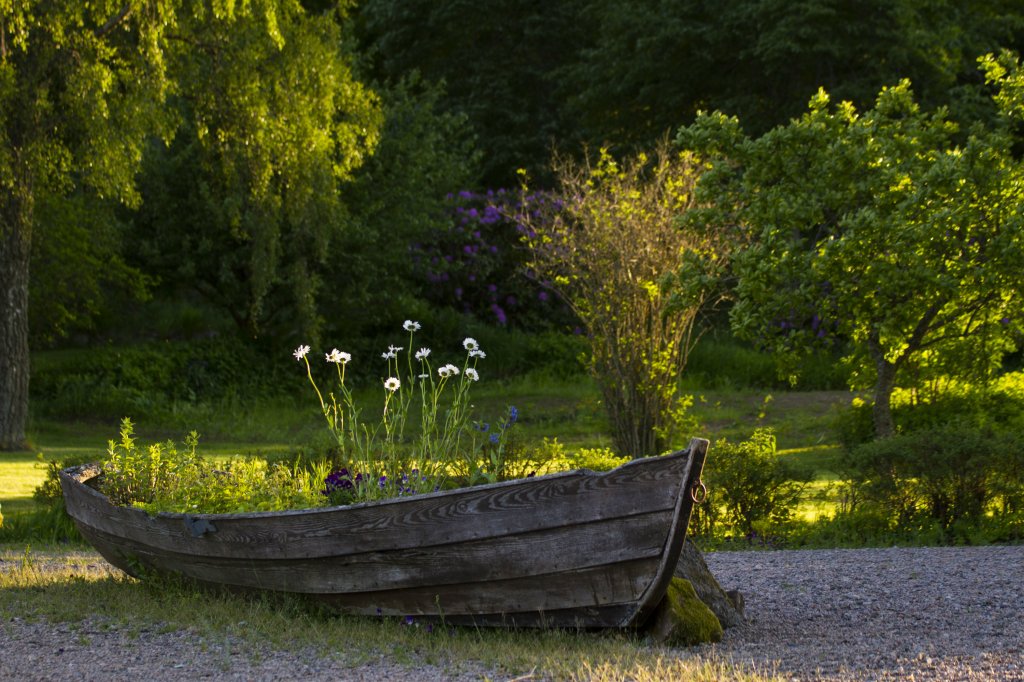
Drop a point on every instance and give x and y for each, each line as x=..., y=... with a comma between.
x=727, y=606
x=684, y=620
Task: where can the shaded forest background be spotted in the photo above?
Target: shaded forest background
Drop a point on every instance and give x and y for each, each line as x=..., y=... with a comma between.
x=467, y=94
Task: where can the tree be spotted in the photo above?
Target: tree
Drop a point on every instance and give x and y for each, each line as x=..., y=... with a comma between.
x=497, y=60
x=608, y=242
x=396, y=201
x=244, y=207
x=80, y=86
x=79, y=274
x=649, y=65
x=875, y=228
x=82, y=89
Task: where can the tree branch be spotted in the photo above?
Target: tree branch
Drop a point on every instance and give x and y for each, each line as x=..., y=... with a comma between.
x=113, y=21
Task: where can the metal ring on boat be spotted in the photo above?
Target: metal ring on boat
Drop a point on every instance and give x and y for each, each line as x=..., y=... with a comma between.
x=703, y=492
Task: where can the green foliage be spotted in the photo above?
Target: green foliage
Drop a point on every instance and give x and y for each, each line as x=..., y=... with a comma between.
x=148, y=379
x=49, y=492
x=396, y=200
x=550, y=455
x=48, y=523
x=78, y=270
x=163, y=477
x=877, y=228
x=998, y=407
x=496, y=60
x=608, y=242
x=47, y=520
x=648, y=65
x=530, y=76
x=595, y=459
x=751, y=490
x=721, y=362
x=950, y=476
x=244, y=205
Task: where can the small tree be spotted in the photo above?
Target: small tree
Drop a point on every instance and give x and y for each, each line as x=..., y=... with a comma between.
x=608, y=242
x=878, y=228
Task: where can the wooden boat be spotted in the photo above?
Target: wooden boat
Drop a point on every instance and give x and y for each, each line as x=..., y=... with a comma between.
x=571, y=549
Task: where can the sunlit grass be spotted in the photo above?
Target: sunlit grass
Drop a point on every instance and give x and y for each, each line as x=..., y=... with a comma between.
x=69, y=587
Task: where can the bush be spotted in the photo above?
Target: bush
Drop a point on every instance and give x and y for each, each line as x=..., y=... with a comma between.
x=610, y=243
x=998, y=408
x=950, y=475
x=750, y=489
x=147, y=379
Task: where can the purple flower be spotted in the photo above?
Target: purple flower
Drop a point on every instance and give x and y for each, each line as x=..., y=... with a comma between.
x=494, y=439
x=491, y=215
x=337, y=480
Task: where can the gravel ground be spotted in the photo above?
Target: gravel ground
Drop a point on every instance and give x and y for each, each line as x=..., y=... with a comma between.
x=867, y=614
x=936, y=613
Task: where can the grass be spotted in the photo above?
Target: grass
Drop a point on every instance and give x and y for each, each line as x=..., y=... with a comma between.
x=57, y=586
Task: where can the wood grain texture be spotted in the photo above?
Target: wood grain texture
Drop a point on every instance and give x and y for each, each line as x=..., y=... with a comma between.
x=560, y=546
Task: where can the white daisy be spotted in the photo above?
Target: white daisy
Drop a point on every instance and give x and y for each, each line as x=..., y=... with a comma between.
x=471, y=373
x=392, y=384
x=338, y=357
x=470, y=344
x=411, y=326
x=422, y=353
x=300, y=352
x=477, y=353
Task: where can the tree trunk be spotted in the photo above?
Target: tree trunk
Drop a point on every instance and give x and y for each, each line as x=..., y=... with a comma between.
x=881, y=411
x=15, y=247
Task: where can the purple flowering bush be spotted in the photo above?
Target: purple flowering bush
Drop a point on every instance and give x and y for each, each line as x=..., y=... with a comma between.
x=478, y=265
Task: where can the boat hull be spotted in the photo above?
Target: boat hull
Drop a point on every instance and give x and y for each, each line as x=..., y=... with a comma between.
x=573, y=549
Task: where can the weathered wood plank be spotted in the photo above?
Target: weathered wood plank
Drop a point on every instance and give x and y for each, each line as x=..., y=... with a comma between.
x=504, y=557
x=618, y=583
x=605, y=616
